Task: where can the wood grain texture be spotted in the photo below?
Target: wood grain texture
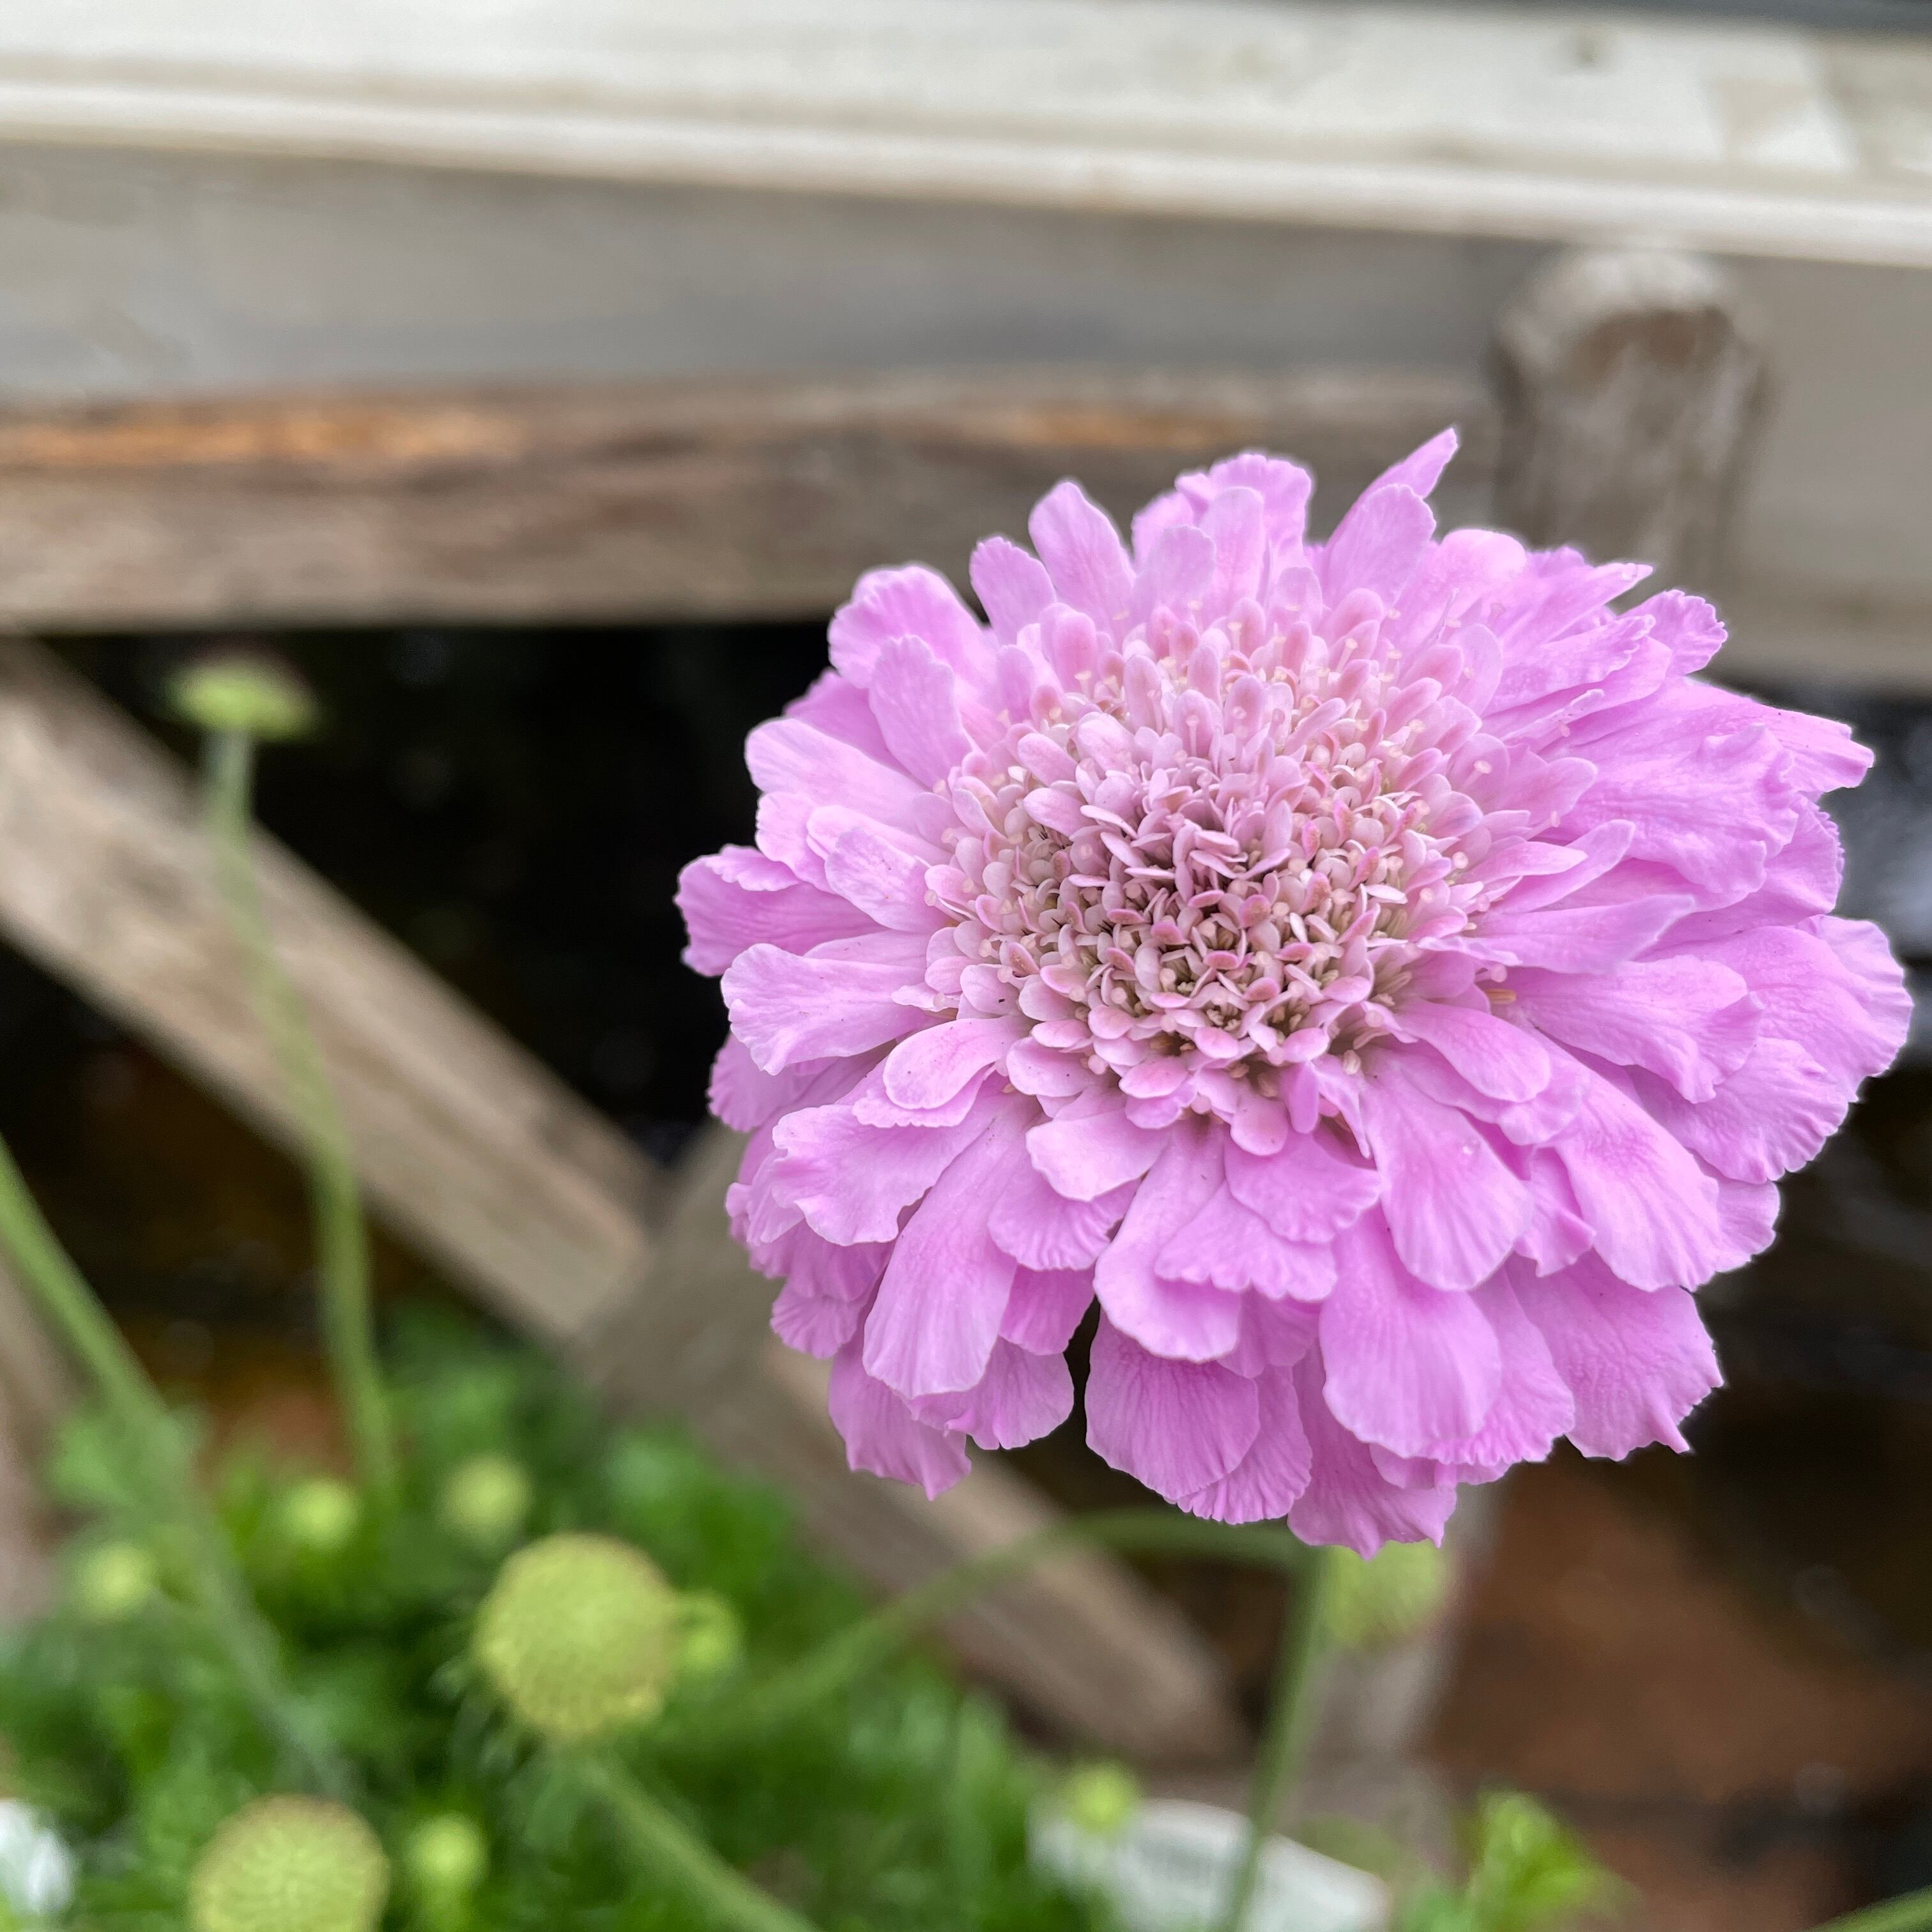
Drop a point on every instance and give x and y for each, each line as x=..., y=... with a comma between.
x=1631, y=386
x=659, y=500
x=483, y=1160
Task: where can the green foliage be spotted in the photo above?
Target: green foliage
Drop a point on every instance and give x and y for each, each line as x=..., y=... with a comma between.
x=897, y=1802
x=1527, y=1873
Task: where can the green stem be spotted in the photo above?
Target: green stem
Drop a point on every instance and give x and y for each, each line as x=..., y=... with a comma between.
x=671, y=1851
x=1912, y=1913
x=822, y=1672
x=335, y=1200
x=1284, y=1741
x=156, y=1461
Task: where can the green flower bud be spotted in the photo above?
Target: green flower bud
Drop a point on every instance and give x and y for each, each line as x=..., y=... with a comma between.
x=1391, y=1596
x=113, y=1582
x=579, y=1635
x=248, y=691
x=320, y=1515
x=447, y=1857
x=487, y=1500
x=710, y=1639
x=1101, y=1798
x=290, y=1864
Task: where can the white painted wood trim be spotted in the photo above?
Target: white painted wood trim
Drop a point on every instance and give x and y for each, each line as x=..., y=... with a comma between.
x=1557, y=125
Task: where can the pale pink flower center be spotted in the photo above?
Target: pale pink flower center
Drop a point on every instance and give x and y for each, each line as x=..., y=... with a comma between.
x=1235, y=854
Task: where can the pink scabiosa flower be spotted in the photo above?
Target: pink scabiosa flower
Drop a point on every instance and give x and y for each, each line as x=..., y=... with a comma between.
x=1376, y=972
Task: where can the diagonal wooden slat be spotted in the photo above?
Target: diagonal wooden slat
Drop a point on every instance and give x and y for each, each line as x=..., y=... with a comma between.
x=480, y=1158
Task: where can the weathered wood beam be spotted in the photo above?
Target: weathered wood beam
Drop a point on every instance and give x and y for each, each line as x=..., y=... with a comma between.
x=482, y=1159
x=1630, y=385
x=726, y=498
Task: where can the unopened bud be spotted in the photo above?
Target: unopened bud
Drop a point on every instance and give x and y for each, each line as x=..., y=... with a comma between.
x=290, y=1864
x=1101, y=1798
x=710, y=1639
x=320, y=1515
x=579, y=1635
x=113, y=1582
x=486, y=1501
x=245, y=690
x=447, y=1857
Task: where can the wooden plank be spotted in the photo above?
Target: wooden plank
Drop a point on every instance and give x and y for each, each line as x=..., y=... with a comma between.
x=482, y=1159
x=716, y=499
x=1631, y=386
x=1555, y=122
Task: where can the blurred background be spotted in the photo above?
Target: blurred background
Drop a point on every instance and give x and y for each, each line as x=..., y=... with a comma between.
x=537, y=375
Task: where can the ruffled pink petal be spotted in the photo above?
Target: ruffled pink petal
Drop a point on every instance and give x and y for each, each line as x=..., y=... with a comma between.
x=1534, y=1405
x=786, y=1007
x=1046, y=1306
x=1651, y=1209
x=1637, y=1362
x=1086, y=1155
x=1347, y=1500
x=914, y=602
x=1082, y=550
x=1690, y=1021
x=1454, y=1208
x=1310, y=1191
x=884, y=1437
x=912, y=698
x=1269, y=1480
x=851, y=1182
x=1021, y=1397
x=1408, y=1365
x=933, y=1327
x=1768, y=1119
x=1169, y=1316
x=1014, y=587
x=729, y=904
x=836, y=705
x=1227, y=1245
x=1496, y=1058
x=1177, y=1426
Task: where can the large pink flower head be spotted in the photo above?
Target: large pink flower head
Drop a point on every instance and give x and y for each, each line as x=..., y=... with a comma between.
x=1375, y=971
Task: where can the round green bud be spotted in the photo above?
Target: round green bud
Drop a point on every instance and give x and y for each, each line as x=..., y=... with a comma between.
x=1393, y=1595
x=1101, y=1798
x=447, y=1857
x=290, y=1864
x=113, y=1582
x=487, y=1500
x=320, y=1515
x=248, y=691
x=710, y=1639
x=579, y=1636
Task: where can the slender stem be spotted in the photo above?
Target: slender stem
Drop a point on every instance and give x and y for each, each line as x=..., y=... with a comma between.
x=1284, y=1741
x=835, y=1662
x=156, y=1462
x=1911, y=1913
x=335, y=1200
x=671, y=1851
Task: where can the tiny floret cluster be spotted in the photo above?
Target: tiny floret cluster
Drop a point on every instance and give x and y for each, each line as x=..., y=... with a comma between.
x=1368, y=984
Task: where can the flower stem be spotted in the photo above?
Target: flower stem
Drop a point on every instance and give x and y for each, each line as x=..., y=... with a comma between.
x=822, y=1671
x=335, y=1202
x=1285, y=1740
x=671, y=1851
x=1911, y=1913
x=158, y=1462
